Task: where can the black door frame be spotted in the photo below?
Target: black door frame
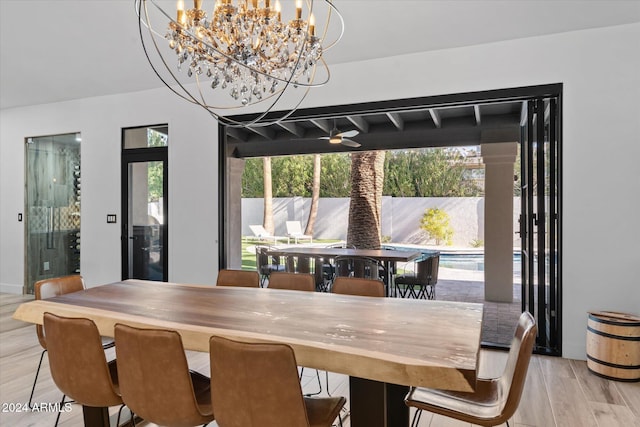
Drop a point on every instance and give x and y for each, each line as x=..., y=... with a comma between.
x=141, y=155
x=523, y=94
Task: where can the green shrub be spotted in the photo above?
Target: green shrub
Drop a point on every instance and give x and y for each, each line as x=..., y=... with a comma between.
x=435, y=222
x=477, y=243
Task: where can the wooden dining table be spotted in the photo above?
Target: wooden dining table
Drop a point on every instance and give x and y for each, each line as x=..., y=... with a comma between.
x=385, y=345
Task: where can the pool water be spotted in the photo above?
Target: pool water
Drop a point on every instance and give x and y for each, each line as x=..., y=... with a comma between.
x=473, y=262
x=465, y=261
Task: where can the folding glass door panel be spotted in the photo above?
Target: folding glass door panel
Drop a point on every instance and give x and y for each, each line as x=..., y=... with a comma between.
x=540, y=220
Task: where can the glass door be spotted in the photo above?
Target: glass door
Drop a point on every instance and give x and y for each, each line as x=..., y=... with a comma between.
x=540, y=220
x=52, y=206
x=144, y=210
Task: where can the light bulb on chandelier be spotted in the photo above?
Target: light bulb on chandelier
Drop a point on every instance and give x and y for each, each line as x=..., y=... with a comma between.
x=243, y=54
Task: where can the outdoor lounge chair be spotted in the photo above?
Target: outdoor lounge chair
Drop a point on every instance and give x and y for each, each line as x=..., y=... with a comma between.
x=294, y=230
x=263, y=234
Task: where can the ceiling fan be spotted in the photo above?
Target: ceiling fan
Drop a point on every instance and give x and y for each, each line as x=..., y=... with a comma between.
x=337, y=137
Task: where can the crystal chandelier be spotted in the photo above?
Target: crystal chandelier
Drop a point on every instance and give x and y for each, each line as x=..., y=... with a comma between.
x=242, y=53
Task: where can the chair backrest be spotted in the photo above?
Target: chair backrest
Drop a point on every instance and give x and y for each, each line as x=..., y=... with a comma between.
x=293, y=281
x=294, y=228
x=357, y=267
x=435, y=265
x=512, y=381
x=358, y=286
x=53, y=287
x=260, y=231
x=154, y=376
x=264, y=262
x=423, y=269
x=77, y=361
x=427, y=269
x=244, y=278
x=255, y=385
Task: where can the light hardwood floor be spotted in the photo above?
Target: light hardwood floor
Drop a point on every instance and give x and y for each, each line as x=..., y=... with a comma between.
x=558, y=392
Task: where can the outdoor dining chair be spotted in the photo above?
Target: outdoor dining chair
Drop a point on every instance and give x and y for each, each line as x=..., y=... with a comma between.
x=267, y=264
x=354, y=266
x=422, y=283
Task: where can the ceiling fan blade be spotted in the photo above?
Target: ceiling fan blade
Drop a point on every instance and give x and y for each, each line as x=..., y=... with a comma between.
x=350, y=143
x=349, y=133
x=324, y=137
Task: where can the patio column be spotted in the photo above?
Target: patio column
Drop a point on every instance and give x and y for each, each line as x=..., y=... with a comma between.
x=499, y=159
x=234, y=214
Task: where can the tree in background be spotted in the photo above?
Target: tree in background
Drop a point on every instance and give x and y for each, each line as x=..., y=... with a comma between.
x=155, y=170
x=365, y=206
x=431, y=172
x=436, y=224
x=267, y=217
x=315, y=195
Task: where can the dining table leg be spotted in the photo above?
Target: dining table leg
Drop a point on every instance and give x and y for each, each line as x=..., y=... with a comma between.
x=377, y=404
x=95, y=417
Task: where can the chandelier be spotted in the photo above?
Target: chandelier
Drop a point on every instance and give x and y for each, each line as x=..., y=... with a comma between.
x=243, y=53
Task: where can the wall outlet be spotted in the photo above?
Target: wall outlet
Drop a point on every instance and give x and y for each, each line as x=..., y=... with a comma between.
x=46, y=266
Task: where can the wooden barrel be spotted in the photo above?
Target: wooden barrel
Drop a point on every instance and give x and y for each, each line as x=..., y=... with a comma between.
x=613, y=345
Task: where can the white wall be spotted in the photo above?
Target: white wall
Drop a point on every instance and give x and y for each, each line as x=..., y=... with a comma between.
x=601, y=147
x=192, y=171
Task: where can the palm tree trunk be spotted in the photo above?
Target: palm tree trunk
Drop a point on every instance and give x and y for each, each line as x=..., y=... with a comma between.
x=365, y=207
x=268, y=196
x=315, y=195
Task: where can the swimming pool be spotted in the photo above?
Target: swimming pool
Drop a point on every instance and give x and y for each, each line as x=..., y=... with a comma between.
x=474, y=262
x=461, y=260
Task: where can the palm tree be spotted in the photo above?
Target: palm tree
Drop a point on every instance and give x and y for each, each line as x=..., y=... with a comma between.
x=315, y=195
x=365, y=207
x=268, y=196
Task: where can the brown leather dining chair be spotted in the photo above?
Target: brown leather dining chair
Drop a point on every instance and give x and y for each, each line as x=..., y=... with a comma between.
x=495, y=399
x=297, y=282
x=78, y=364
x=358, y=286
x=155, y=380
x=256, y=385
x=292, y=281
x=242, y=278
x=49, y=288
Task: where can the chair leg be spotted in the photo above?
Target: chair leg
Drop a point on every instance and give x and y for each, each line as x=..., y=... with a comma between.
x=416, y=418
x=318, y=379
x=60, y=410
x=36, y=378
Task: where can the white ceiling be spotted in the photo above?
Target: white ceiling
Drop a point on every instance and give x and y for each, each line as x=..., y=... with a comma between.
x=56, y=50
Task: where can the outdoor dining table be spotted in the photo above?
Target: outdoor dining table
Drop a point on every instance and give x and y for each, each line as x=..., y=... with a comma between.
x=385, y=345
x=386, y=257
